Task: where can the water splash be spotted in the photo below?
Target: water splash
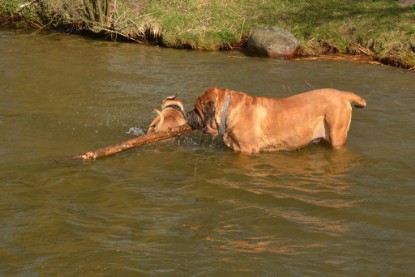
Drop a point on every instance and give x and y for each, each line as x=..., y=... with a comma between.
x=135, y=131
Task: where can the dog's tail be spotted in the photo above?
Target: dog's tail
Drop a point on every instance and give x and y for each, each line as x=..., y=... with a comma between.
x=161, y=121
x=356, y=100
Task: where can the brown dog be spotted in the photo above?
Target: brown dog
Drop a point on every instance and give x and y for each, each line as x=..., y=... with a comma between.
x=171, y=115
x=253, y=124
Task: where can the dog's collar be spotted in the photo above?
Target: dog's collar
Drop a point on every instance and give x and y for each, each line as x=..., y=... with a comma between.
x=174, y=106
x=224, y=112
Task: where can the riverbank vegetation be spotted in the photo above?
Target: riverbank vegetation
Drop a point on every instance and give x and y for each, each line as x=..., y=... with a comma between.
x=382, y=29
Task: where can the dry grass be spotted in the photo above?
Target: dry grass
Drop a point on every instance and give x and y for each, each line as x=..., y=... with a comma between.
x=382, y=29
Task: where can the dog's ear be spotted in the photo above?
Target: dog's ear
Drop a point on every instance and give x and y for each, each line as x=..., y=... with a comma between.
x=209, y=113
x=209, y=109
x=202, y=117
x=171, y=97
x=205, y=110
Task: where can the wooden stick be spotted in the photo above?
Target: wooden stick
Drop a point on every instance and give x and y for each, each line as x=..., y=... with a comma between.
x=137, y=141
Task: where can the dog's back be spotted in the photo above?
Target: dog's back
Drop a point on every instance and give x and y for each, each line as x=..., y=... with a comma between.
x=171, y=115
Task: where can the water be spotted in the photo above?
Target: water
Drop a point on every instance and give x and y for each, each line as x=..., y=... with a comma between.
x=193, y=207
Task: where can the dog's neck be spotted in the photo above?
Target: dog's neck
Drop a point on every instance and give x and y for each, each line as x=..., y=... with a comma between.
x=224, y=112
x=174, y=106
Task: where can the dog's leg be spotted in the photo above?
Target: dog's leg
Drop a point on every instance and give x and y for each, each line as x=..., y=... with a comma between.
x=338, y=127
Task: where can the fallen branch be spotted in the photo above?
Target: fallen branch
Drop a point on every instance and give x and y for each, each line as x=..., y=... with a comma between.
x=137, y=141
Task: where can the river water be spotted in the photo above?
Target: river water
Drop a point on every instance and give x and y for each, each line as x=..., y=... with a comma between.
x=192, y=207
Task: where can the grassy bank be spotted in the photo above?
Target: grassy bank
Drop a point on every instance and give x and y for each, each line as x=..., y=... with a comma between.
x=383, y=29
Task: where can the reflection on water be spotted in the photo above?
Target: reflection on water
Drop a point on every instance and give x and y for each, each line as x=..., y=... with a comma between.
x=303, y=192
x=193, y=207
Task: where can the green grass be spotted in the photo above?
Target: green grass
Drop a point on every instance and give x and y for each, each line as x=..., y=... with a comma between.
x=380, y=28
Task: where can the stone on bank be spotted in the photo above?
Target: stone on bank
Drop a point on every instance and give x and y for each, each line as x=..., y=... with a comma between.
x=273, y=42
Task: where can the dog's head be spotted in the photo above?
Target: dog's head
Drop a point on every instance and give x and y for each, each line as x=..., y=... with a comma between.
x=207, y=111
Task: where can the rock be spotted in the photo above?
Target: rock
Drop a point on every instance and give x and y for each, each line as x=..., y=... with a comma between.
x=273, y=42
x=406, y=3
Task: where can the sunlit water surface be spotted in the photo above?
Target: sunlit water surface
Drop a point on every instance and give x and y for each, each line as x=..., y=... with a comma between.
x=193, y=207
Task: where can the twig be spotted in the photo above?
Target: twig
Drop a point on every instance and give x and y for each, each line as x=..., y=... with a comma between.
x=118, y=33
x=364, y=50
x=41, y=27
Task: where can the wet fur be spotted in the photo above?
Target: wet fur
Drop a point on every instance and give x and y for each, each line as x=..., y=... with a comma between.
x=169, y=116
x=255, y=124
